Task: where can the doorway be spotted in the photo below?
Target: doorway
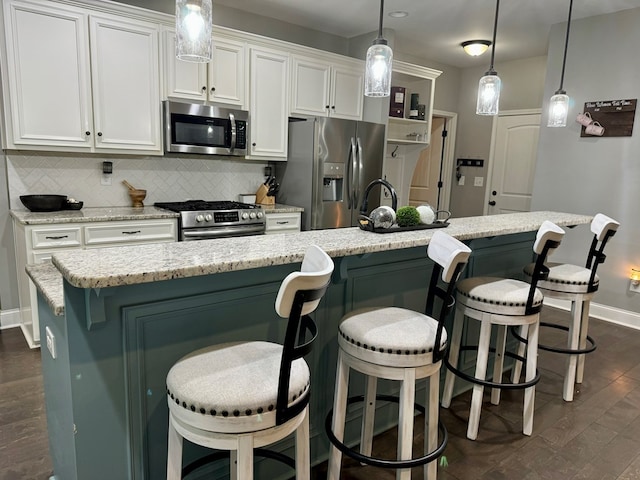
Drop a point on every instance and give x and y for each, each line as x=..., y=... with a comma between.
x=431, y=180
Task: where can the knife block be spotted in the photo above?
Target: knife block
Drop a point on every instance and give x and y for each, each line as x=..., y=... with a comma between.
x=261, y=196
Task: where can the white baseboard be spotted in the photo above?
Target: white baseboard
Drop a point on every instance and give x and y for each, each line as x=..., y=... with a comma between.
x=618, y=316
x=9, y=318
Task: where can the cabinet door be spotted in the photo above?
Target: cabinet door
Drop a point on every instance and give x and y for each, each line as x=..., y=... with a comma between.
x=186, y=80
x=347, y=92
x=227, y=80
x=47, y=75
x=269, y=103
x=310, y=86
x=126, y=84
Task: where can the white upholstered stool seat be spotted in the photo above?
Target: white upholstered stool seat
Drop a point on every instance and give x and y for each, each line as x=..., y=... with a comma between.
x=390, y=336
x=403, y=345
x=232, y=387
x=577, y=284
x=241, y=396
x=500, y=302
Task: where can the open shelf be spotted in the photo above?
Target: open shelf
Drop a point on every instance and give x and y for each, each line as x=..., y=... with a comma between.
x=404, y=131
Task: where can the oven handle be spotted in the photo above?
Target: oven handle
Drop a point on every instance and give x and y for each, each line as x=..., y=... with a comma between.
x=204, y=234
x=232, y=119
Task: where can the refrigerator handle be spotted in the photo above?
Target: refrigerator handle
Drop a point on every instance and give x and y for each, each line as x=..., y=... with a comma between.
x=351, y=172
x=358, y=180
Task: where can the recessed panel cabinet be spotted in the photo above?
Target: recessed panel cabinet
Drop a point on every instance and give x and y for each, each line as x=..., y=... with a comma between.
x=222, y=80
x=326, y=89
x=80, y=82
x=269, y=104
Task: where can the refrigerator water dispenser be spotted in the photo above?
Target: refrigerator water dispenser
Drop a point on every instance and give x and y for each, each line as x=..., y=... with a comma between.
x=333, y=177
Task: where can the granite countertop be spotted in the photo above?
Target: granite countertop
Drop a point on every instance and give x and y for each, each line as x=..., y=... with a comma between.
x=114, y=214
x=48, y=280
x=91, y=214
x=128, y=265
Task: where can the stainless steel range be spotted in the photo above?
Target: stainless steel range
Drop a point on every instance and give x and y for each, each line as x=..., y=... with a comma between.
x=200, y=220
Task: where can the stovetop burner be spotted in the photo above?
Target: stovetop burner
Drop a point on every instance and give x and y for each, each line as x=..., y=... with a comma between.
x=197, y=205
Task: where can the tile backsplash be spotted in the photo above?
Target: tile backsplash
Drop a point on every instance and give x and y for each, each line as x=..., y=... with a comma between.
x=168, y=178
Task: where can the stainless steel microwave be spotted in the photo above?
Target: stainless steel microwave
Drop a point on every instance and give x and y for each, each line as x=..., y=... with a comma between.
x=205, y=129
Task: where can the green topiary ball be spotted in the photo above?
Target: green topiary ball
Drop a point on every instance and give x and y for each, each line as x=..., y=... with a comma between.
x=407, y=216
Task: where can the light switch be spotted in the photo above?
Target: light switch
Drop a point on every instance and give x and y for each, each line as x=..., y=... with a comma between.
x=51, y=342
x=478, y=181
x=461, y=181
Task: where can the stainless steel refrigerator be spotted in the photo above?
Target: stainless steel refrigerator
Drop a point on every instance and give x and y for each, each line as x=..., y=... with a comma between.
x=330, y=163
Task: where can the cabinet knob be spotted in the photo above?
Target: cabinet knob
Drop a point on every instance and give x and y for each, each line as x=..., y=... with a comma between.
x=333, y=107
x=326, y=106
x=204, y=89
x=253, y=144
x=87, y=133
x=99, y=134
x=213, y=89
x=492, y=203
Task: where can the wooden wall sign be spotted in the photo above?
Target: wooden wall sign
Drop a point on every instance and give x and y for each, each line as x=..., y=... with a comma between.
x=616, y=116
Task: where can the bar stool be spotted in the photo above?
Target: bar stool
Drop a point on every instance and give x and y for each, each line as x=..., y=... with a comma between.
x=578, y=285
x=502, y=302
x=397, y=344
x=240, y=396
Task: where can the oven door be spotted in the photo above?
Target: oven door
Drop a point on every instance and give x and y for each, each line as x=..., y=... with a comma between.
x=190, y=234
x=194, y=128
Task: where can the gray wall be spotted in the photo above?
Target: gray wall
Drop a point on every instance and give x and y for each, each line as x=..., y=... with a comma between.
x=522, y=88
x=590, y=175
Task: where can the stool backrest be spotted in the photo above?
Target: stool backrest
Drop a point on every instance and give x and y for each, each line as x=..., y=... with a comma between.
x=548, y=239
x=603, y=228
x=450, y=257
x=299, y=294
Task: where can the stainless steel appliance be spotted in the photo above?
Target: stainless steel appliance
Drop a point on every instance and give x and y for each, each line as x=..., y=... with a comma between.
x=200, y=220
x=204, y=129
x=330, y=163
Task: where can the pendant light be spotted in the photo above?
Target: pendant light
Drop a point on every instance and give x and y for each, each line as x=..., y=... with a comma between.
x=377, y=73
x=489, y=85
x=559, y=103
x=193, y=30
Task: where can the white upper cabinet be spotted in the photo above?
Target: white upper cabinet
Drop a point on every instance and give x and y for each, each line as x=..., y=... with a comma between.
x=126, y=84
x=65, y=95
x=222, y=80
x=49, y=86
x=268, y=103
x=322, y=88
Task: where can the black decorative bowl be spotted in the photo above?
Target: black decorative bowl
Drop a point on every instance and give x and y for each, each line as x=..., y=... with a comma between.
x=44, y=203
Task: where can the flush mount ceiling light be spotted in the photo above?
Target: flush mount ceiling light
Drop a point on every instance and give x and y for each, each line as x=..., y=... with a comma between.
x=476, y=47
x=193, y=30
x=377, y=73
x=559, y=102
x=489, y=85
x=398, y=14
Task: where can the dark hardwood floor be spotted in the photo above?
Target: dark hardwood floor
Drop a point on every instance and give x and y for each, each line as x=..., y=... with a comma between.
x=596, y=437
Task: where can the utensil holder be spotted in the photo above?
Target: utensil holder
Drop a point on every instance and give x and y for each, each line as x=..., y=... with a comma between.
x=262, y=198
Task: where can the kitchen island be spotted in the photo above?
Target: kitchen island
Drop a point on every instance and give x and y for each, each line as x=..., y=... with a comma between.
x=130, y=312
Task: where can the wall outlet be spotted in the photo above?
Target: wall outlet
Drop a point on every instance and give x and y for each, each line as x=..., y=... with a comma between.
x=478, y=181
x=51, y=342
x=461, y=181
x=634, y=288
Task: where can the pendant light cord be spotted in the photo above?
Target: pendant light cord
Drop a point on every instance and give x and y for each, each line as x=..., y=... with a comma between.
x=566, y=45
x=493, y=45
x=380, y=20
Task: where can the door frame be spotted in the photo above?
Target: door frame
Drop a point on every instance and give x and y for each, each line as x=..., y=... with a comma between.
x=449, y=153
x=492, y=149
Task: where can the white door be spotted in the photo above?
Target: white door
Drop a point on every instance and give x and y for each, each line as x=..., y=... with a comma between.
x=126, y=84
x=514, y=147
x=424, y=183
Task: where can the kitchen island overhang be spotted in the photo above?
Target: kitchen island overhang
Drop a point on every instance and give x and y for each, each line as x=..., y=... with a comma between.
x=131, y=312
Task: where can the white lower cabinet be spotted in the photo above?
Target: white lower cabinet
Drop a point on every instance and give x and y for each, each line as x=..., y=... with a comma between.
x=37, y=244
x=282, y=223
